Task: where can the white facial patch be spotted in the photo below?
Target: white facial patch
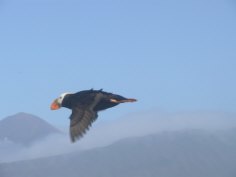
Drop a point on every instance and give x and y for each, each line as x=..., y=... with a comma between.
x=61, y=97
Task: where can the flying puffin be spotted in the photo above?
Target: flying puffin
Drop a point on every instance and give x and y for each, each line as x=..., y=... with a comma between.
x=85, y=106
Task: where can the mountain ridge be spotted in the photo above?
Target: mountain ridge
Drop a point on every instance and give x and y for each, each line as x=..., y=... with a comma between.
x=24, y=128
x=190, y=153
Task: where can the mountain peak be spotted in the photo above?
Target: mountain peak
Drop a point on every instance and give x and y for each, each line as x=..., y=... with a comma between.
x=24, y=128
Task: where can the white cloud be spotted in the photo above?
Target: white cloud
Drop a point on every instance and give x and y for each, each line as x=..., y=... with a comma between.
x=144, y=123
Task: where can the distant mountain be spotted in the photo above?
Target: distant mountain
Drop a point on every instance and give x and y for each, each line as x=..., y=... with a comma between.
x=189, y=153
x=23, y=128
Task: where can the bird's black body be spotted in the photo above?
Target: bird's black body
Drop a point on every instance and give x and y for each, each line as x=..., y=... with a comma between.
x=85, y=105
x=86, y=99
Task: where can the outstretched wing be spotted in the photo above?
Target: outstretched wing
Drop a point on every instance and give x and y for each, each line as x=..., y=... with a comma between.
x=80, y=121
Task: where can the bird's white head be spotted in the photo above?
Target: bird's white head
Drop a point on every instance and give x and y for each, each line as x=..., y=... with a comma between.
x=56, y=104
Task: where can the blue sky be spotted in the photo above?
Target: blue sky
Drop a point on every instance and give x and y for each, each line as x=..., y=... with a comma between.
x=170, y=55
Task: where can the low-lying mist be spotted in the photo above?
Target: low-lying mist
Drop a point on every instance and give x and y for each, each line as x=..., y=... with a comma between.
x=104, y=133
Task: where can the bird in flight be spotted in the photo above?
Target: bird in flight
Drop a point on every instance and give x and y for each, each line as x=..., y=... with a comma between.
x=85, y=106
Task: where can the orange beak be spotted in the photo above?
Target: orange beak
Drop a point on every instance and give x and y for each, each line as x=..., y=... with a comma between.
x=55, y=105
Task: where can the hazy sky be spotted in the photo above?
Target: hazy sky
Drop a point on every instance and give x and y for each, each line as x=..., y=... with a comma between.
x=170, y=55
